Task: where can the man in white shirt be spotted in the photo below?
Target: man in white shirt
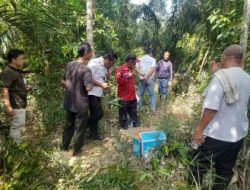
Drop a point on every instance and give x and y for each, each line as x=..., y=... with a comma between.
x=223, y=125
x=101, y=69
x=146, y=69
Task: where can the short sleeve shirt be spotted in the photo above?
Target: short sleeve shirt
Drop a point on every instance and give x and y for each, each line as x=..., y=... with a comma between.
x=77, y=76
x=12, y=79
x=99, y=73
x=146, y=63
x=230, y=123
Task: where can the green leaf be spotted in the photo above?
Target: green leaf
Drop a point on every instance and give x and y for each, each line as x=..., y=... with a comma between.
x=166, y=149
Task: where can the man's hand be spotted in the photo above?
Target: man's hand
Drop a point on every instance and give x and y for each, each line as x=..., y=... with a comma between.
x=169, y=83
x=105, y=85
x=127, y=75
x=29, y=87
x=9, y=111
x=145, y=77
x=206, y=118
x=198, y=136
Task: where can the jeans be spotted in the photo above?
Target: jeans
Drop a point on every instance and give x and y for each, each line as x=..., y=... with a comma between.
x=219, y=154
x=75, y=126
x=128, y=108
x=17, y=122
x=149, y=85
x=96, y=114
x=163, y=87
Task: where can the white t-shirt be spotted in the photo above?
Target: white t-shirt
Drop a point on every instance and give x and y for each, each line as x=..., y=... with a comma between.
x=99, y=73
x=230, y=123
x=146, y=63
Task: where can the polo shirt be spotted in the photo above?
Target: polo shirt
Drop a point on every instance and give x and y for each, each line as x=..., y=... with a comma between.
x=12, y=79
x=126, y=84
x=99, y=73
x=230, y=123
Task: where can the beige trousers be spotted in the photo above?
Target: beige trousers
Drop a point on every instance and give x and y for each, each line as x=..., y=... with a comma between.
x=17, y=122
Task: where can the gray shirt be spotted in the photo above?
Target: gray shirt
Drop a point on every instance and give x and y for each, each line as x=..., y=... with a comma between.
x=164, y=69
x=230, y=123
x=77, y=76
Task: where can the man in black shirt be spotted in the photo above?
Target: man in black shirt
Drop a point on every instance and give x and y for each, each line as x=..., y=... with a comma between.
x=15, y=92
x=78, y=81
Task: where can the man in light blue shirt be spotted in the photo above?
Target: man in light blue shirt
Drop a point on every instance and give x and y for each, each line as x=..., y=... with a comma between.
x=146, y=69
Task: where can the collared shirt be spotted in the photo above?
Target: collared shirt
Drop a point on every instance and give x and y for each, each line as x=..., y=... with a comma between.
x=126, y=84
x=230, y=123
x=164, y=69
x=77, y=76
x=99, y=73
x=13, y=80
x=145, y=64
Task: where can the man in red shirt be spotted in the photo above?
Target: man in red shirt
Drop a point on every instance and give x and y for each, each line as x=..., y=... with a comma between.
x=126, y=92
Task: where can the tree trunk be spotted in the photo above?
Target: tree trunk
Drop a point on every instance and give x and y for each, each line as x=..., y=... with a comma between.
x=89, y=27
x=245, y=25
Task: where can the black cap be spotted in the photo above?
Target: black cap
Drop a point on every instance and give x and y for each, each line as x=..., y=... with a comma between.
x=131, y=57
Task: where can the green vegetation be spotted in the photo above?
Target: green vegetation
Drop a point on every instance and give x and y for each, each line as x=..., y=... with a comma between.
x=194, y=31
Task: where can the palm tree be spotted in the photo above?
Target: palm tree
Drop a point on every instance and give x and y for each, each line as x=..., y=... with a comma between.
x=245, y=26
x=89, y=22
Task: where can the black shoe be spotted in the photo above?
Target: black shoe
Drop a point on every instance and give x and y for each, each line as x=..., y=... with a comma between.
x=124, y=127
x=63, y=148
x=76, y=152
x=96, y=137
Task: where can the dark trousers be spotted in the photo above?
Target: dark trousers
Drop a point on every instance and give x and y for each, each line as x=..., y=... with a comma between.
x=219, y=154
x=128, y=108
x=75, y=126
x=96, y=114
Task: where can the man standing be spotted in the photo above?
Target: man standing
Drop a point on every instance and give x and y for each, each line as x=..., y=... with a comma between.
x=224, y=123
x=146, y=70
x=101, y=69
x=78, y=81
x=15, y=92
x=126, y=92
x=164, y=72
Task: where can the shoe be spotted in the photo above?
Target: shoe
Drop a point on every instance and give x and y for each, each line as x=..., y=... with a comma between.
x=63, y=148
x=124, y=127
x=96, y=137
x=76, y=152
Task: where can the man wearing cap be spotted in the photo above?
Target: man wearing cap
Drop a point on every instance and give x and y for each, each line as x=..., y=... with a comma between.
x=126, y=92
x=146, y=69
x=224, y=123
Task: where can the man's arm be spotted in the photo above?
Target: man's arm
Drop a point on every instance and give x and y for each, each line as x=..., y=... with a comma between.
x=171, y=74
x=9, y=109
x=138, y=70
x=122, y=78
x=150, y=72
x=103, y=85
x=171, y=71
x=206, y=118
x=88, y=82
